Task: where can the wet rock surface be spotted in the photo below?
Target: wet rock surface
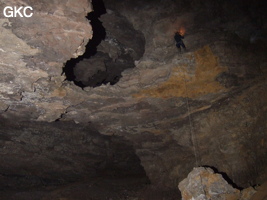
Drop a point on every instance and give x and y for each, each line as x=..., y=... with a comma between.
x=206, y=106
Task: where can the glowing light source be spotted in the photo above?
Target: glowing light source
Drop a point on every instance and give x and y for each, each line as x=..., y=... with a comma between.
x=182, y=31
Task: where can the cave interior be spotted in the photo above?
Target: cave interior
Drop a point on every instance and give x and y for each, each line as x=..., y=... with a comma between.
x=132, y=115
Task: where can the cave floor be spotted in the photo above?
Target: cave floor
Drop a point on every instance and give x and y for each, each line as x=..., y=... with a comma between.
x=129, y=188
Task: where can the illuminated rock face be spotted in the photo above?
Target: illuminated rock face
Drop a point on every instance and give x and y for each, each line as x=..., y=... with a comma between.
x=206, y=106
x=204, y=183
x=34, y=50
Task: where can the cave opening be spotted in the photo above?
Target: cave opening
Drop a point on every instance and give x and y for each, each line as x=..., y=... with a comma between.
x=99, y=34
x=114, y=47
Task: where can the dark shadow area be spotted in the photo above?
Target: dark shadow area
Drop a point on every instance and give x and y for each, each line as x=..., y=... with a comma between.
x=225, y=176
x=99, y=34
x=112, y=50
x=66, y=155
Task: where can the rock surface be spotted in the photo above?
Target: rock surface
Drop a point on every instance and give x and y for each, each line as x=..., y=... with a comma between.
x=34, y=50
x=203, y=184
x=206, y=106
x=116, y=52
x=261, y=193
x=60, y=149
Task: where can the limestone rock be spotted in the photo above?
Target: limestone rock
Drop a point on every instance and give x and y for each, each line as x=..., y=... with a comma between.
x=247, y=194
x=119, y=42
x=203, y=184
x=3, y=107
x=33, y=51
x=261, y=193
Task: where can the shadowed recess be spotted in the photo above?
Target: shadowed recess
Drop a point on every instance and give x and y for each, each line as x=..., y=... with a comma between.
x=67, y=153
x=115, y=45
x=99, y=34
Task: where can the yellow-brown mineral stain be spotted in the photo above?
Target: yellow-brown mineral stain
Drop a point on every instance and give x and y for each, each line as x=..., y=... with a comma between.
x=60, y=92
x=182, y=84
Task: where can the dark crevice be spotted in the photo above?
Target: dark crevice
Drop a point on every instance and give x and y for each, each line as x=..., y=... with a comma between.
x=112, y=50
x=99, y=34
x=225, y=177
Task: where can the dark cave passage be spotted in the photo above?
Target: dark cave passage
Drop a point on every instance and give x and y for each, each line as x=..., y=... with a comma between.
x=68, y=155
x=114, y=47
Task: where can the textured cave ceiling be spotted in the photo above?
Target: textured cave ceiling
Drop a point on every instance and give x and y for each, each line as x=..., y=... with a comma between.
x=93, y=92
x=109, y=52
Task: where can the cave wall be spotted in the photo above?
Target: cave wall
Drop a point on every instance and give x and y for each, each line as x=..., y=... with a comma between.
x=206, y=106
x=57, y=32
x=37, y=154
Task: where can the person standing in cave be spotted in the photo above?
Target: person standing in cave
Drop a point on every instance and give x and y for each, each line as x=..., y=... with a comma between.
x=179, y=42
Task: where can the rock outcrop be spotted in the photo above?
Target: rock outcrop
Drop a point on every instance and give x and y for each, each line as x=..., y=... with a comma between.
x=203, y=184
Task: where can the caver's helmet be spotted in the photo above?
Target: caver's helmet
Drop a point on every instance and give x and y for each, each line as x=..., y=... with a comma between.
x=181, y=31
